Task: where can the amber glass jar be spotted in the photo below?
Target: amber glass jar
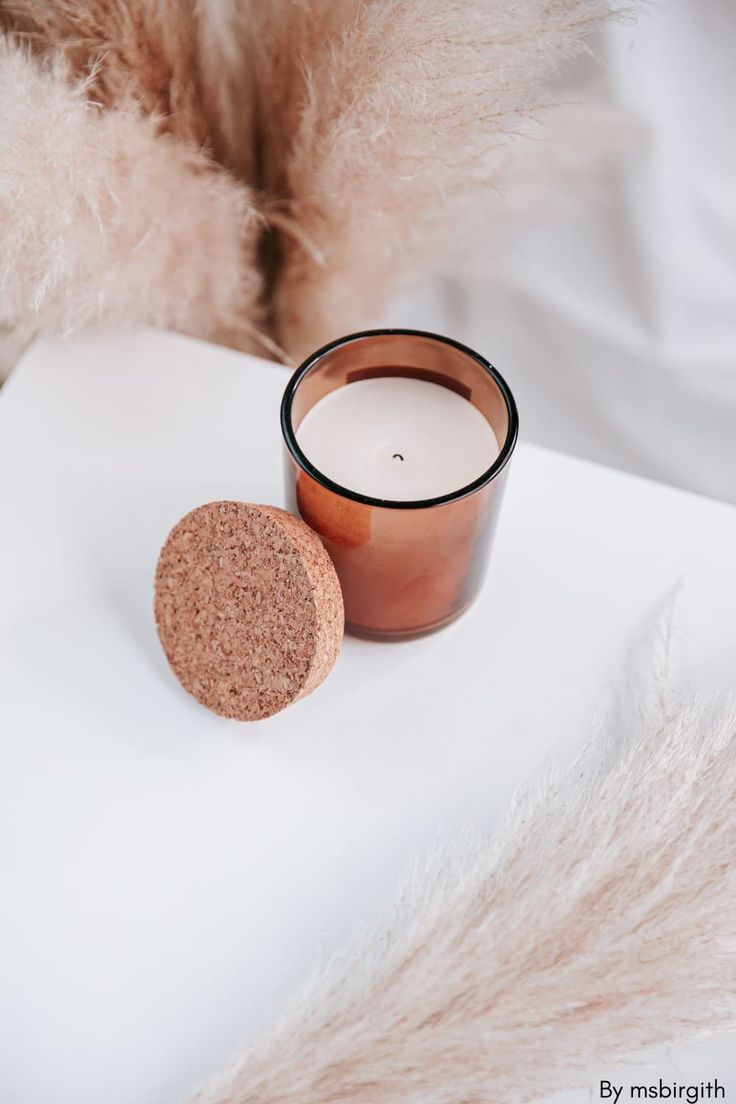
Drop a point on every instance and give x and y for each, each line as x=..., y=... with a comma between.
x=406, y=568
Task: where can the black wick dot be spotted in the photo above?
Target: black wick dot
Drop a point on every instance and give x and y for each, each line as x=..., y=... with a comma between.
x=397, y=456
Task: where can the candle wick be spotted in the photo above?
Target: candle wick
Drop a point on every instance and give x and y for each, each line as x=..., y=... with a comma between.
x=397, y=456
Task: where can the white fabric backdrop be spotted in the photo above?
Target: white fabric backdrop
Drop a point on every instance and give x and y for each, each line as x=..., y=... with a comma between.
x=616, y=324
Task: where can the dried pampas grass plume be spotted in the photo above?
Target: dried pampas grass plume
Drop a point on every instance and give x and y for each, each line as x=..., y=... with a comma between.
x=139, y=137
x=600, y=923
x=134, y=55
x=103, y=218
x=408, y=113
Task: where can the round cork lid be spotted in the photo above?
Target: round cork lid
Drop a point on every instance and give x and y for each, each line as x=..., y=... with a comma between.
x=248, y=608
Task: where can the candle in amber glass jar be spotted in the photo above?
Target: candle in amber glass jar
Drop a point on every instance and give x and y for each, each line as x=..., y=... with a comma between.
x=397, y=453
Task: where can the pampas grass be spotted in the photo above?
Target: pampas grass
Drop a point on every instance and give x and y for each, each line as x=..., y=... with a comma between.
x=140, y=138
x=601, y=922
x=103, y=218
x=134, y=55
x=407, y=113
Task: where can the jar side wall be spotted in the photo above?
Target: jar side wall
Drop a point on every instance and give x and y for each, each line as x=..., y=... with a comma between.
x=402, y=572
x=407, y=568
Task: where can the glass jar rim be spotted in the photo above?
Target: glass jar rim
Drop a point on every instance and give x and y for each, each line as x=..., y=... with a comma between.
x=323, y=480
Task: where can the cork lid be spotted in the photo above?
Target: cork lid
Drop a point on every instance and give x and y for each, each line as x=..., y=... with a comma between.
x=248, y=608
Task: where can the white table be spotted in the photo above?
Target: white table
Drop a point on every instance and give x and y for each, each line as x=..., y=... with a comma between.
x=167, y=876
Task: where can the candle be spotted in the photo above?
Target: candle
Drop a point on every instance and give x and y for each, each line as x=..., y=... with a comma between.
x=398, y=439
x=397, y=450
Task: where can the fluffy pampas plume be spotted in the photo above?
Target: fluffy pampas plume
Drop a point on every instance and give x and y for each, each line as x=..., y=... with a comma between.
x=408, y=114
x=101, y=217
x=227, y=167
x=601, y=922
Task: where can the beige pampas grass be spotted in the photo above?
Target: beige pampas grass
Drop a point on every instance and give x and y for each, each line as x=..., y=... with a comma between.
x=407, y=113
x=138, y=137
x=603, y=921
x=134, y=54
x=102, y=218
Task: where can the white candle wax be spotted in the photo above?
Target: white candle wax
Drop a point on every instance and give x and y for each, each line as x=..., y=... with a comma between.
x=398, y=439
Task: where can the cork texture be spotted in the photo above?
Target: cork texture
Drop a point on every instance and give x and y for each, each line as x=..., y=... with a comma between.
x=248, y=608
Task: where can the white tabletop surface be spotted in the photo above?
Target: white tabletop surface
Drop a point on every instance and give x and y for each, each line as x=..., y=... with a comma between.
x=168, y=877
